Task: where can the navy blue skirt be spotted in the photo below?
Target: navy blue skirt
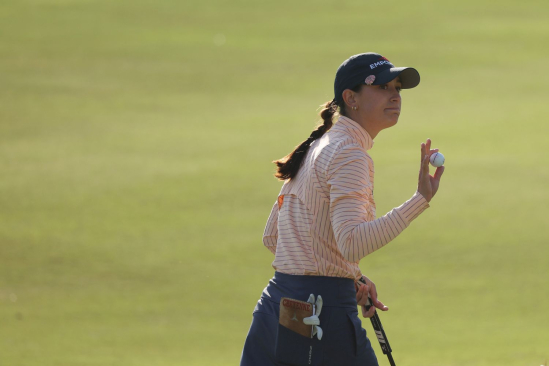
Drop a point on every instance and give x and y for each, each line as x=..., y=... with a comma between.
x=344, y=341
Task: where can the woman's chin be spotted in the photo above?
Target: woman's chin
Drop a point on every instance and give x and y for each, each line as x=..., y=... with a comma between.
x=392, y=121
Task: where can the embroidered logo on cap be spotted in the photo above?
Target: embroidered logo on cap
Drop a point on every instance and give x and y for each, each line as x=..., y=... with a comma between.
x=370, y=80
x=383, y=61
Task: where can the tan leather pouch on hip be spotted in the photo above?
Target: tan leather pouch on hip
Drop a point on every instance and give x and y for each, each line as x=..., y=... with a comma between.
x=292, y=313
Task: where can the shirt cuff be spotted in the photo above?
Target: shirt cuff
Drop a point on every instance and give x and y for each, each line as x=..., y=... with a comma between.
x=412, y=208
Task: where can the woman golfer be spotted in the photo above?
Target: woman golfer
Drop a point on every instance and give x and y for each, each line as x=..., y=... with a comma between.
x=324, y=222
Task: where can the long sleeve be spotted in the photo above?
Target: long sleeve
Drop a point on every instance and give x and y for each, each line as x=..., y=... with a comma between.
x=350, y=184
x=270, y=235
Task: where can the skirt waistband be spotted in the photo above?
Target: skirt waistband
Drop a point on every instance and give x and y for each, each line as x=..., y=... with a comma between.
x=335, y=291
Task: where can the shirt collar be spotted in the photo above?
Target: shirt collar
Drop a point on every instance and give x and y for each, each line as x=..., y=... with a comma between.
x=348, y=126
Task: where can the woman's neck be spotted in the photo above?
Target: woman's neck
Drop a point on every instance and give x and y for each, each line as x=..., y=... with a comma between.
x=355, y=116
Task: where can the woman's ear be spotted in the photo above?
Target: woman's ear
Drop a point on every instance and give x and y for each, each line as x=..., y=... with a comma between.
x=349, y=98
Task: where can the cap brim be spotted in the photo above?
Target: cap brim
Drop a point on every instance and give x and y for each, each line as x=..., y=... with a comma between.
x=409, y=77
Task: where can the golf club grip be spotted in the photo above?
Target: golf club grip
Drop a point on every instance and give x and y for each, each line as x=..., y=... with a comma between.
x=380, y=332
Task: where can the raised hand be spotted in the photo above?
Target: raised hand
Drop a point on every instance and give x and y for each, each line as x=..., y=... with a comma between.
x=427, y=184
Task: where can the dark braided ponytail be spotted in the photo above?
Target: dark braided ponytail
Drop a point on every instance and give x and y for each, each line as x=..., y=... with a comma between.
x=289, y=165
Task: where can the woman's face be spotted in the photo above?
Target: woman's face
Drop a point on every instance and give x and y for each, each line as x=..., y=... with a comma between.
x=378, y=106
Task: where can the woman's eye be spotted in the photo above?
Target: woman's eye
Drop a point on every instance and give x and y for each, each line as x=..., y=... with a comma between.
x=386, y=87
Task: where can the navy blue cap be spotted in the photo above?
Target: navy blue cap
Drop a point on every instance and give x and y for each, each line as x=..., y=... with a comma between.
x=371, y=69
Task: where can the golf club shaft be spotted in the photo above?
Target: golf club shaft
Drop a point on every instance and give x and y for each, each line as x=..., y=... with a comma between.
x=380, y=332
x=391, y=361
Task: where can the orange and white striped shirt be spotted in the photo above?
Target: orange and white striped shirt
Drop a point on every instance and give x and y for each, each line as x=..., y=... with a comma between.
x=324, y=220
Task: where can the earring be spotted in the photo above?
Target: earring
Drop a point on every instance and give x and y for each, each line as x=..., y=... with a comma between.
x=355, y=108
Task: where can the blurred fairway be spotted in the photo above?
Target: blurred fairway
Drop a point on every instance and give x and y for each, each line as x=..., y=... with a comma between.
x=135, y=147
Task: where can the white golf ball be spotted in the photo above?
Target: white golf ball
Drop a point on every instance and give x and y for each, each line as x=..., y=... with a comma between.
x=437, y=159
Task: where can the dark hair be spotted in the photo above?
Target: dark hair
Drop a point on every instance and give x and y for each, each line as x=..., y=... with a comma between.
x=289, y=165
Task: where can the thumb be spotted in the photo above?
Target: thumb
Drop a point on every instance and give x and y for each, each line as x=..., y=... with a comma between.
x=439, y=172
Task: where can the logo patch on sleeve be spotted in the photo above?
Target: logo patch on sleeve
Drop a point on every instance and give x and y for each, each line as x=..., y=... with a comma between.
x=280, y=201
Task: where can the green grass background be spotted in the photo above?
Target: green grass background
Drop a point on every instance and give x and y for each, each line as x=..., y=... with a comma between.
x=135, y=177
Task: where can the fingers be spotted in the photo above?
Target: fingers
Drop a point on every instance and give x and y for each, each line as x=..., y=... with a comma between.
x=362, y=295
x=368, y=313
x=425, y=164
x=365, y=291
x=426, y=149
x=426, y=146
x=373, y=295
x=378, y=304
